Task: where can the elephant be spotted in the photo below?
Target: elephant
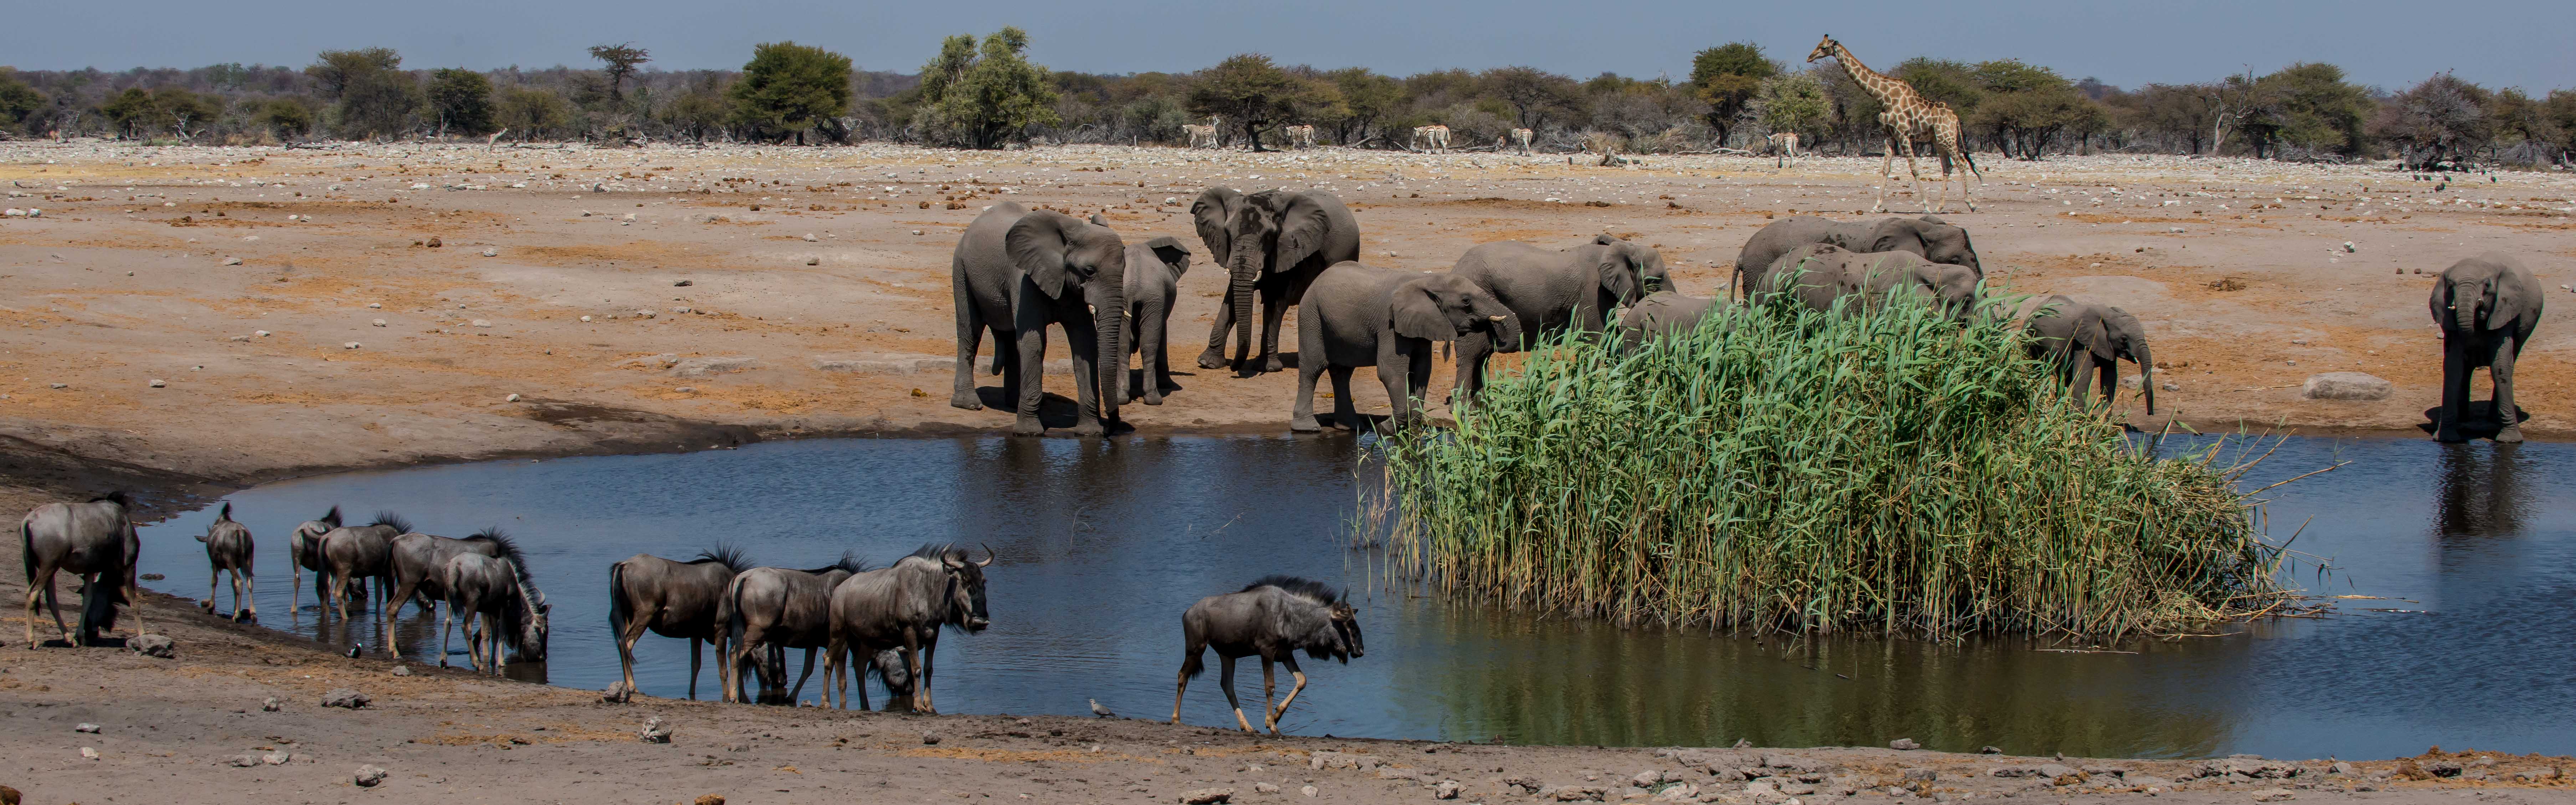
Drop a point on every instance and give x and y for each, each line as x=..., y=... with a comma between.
x=2487, y=307
x=1662, y=314
x=2081, y=339
x=1362, y=315
x=1817, y=274
x=1928, y=236
x=1272, y=243
x=1154, y=270
x=1015, y=272
x=1550, y=291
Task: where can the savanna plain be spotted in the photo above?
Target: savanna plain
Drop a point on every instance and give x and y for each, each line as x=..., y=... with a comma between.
x=196, y=320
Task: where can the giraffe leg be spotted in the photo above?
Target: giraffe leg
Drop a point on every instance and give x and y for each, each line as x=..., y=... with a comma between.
x=1914, y=171
x=1886, y=169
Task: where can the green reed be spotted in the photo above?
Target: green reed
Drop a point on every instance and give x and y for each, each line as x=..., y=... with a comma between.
x=1784, y=470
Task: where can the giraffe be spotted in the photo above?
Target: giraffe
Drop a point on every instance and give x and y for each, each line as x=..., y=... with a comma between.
x=1784, y=145
x=1908, y=119
x=1521, y=137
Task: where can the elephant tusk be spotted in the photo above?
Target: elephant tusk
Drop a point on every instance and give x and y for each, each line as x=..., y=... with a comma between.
x=1095, y=309
x=1496, y=318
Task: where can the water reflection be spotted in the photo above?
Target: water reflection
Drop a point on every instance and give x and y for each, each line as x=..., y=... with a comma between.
x=1102, y=544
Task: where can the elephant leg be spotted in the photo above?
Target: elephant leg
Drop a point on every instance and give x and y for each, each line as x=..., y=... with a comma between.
x=1214, y=357
x=1472, y=350
x=2110, y=380
x=1393, y=372
x=2082, y=378
x=970, y=337
x=1345, y=413
x=2508, y=419
x=1153, y=367
x=1032, y=371
x=1417, y=376
x=1301, y=417
x=2455, y=387
x=1274, y=306
x=1225, y=679
x=1080, y=338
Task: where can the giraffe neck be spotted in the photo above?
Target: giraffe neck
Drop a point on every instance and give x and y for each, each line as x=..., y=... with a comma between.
x=1886, y=90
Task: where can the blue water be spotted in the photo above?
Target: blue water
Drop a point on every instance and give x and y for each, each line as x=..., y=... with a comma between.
x=1103, y=544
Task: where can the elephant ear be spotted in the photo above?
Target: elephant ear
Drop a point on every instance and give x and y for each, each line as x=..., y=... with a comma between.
x=1415, y=313
x=2510, y=302
x=1894, y=235
x=1604, y=239
x=1096, y=220
x=1169, y=250
x=2093, y=332
x=1210, y=212
x=1618, y=275
x=1302, y=227
x=1036, y=245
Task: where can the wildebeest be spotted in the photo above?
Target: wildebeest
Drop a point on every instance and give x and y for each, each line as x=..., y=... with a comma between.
x=417, y=565
x=498, y=589
x=777, y=608
x=903, y=607
x=228, y=549
x=304, y=550
x=361, y=552
x=1274, y=618
x=94, y=541
x=673, y=599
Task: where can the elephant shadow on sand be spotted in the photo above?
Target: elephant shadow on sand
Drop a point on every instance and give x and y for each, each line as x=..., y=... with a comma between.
x=2477, y=419
x=1054, y=410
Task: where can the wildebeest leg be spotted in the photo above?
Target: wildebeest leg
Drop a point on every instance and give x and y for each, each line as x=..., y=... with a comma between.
x=800, y=678
x=391, y=645
x=1293, y=690
x=339, y=598
x=1269, y=689
x=921, y=682
x=250, y=594
x=1225, y=679
x=492, y=635
x=215, y=582
x=443, y=619
x=694, y=646
x=43, y=584
x=912, y=665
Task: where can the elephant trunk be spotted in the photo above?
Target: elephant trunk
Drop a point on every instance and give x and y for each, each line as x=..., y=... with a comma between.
x=1507, y=333
x=1243, y=269
x=2146, y=375
x=2464, y=305
x=1109, y=322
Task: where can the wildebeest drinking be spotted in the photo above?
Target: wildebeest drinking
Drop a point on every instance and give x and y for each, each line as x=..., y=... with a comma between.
x=903, y=607
x=94, y=541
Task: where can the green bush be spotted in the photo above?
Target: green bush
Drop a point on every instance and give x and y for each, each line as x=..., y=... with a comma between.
x=1783, y=470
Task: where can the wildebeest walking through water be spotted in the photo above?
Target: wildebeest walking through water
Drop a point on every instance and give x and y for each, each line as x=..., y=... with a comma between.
x=1274, y=618
x=94, y=541
x=781, y=609
x=417, y=565
x=673, y=599
x=304, y=550
x=510, y=605
x=902, y=608
x=361, y=552
x=228, y=548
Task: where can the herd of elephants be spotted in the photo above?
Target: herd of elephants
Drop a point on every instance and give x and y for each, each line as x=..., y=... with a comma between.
x=1017, y=270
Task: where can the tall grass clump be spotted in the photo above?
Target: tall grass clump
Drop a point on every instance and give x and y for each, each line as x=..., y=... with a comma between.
x=1780, y=469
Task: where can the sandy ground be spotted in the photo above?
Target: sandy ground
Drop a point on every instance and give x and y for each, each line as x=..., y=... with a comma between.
x=803, y=292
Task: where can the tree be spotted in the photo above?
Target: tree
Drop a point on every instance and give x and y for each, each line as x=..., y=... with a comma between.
x=619, y=61
x=2441, y=118
x=139, y=113
x=19, y=103
x=1956, y=83
x=1727, y=77
x=985, y=97
x=698, y=112
x=1370, y=99
x=462, y=100
x=1532, y=92
x=532, y=112
x=1248, y=89
x=1794, y=102
x=788, y=88
x=2172, y=111
x=375, y=97
x=284, y=118
x=2560, y=110
x=2517, y=115
x=2310, y=106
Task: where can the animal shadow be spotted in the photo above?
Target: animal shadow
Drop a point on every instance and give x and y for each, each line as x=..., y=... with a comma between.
x=1054, y=410
x=2477, y=419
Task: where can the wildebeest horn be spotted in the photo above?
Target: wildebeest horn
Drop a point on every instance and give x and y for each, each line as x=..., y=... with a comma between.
x=988, y=556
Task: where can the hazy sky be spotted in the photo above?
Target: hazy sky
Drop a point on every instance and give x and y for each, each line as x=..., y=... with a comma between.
x=2381, y=42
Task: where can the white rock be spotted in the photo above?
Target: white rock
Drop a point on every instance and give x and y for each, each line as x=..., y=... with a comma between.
x=232, y=261
x=86, y=727
x=809, y=238
x=349, y=345
x=482, y=323
x=420, y=185
x=260, y=333
x=2345, y=386
x=645, y=313
x=512, y=398
x=491, y=252
x=89, y=753
x=585, y=318
x=156, y=383
x=376, y=305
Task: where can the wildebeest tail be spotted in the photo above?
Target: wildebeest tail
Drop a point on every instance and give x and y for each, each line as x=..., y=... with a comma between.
x=617, y=613
x=227, y=513
x=1191, y=666
x=332, y=517
x=27, y=551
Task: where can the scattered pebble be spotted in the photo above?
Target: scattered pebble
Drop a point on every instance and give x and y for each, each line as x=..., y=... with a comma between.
x=271, y=705
x=158, y=384
x=349, y=345
x=232, y=261
x=89, y=753
x=491, y=252
x=402, y=670
x=1308, y=790
x=369, y=775
x=276, y=758
x=515, y=398
x=260, y=333
x=344, y=697
x=378, y=322
x=86, y=727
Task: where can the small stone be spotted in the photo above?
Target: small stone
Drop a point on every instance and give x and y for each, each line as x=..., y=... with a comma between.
x=686, y=389
x=89, y=753
x=158, y=384
x=617, y=693
x=232, y=261
x=1903, y=744
x=349, y=345
x=2169, y=386
x=1446, y=789
x=1923, y=774
x=654, y=732
x=2146, y=780
x=344, y=697
x=1207, y=796
x=491, y=252
x=59, y=385
x=1265, y=788
x=2340, y=767
x=402, y=670
x=809, y=238
x=2272, y=795
x=152, y=645
x=515, y=398
x=378, y=322
x=369, y=775
x=813, y=261
x=86, y=727
x=243, y=761
x=276, y=758
x=683, y=284
x=1308, y=790
x=260, y=333
x=375, y=305
x=2345, y=386
x=271, y=705
x=641, y=314
x=1579, y=793
x=435, y=243
x=2349, y=248
x=930, y=739
x=709, y=799
x=585, y=318
x=916, y=232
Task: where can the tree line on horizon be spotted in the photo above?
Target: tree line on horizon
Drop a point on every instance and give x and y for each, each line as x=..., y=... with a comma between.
x=985, y=93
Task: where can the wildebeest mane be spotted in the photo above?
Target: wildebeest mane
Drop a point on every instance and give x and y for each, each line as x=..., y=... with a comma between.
x=401, y=526
x=938, y=551
x=727, y=554
x=509, y=548
x=1299, y=586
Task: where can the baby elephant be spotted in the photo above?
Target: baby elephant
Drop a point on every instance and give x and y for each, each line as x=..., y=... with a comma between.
x=1662, y=314
x=2487, y=307
x=1817, y=274
x=1358, y=315
x=1154, y=270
